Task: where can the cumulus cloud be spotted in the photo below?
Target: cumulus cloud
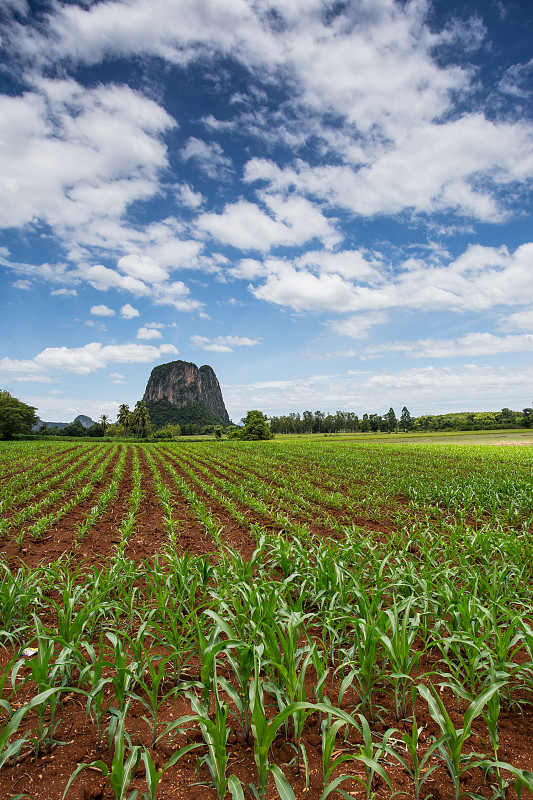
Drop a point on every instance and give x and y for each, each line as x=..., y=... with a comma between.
x=288, y=221
x=22, y=284
x=401, y=140
x=64, y=293
x=74, y=156
x=102, y=311
x=142, y=267
x=433, y=168
x=209, y=157
x=188, y=197
x=518, y=321
x=149, y=333
x=94, y=356
x=104, y=278
x=223, y=344
x=81, y=360
x=128, y=311
x=477, y=280
x=22, y=370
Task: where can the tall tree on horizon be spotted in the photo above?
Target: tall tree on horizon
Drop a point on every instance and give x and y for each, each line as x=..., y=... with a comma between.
x=124, y=418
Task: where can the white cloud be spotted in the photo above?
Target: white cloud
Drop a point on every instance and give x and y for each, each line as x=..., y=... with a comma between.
x=303, y=291
x=519, y=321
x=117, y=377
x=64, y=293
x=478, y=280
x=188, y=196
x=22, y=370
x=401, y=139
x=94, y=356
x=431, y=168
x=22, y=284
x=74, y=157
x=208, y=155
x=81, y=360
x=223, y=344
x=102, y=311
x=149, y=333
x=358, y=326
x=471, y=344
x=128, y=311
x=291, y=221
x=103, y=278
x=142, y=267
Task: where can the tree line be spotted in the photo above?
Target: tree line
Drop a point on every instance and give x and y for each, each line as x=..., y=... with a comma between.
x=349, y=422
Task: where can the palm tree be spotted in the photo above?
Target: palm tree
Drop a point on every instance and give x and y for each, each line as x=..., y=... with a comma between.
x=104, y=419
x=141, y=419
x=124, y=418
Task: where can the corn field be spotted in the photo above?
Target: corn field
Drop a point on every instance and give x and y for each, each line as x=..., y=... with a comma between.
x=265, y=620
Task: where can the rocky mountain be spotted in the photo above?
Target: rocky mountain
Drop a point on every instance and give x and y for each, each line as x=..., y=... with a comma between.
x=184, y=384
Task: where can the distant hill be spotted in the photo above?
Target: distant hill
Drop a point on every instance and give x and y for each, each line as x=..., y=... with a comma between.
x=85, y=421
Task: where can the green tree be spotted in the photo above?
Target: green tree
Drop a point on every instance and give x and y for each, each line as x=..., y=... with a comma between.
x=317, y=424
x=375, y=422
x=124, y=418
x=168, y=432
x=104, y=419
x=390, y=420
x=406, y=420
x=74, y=429
x=255, y=427
x=141, y=419
x=95, y=430
x=307, y=422
x=15, y=416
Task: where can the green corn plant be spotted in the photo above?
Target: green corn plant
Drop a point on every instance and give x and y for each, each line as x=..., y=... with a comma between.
x=453, y=740
x=208, y=647
x=10, y=748
x=154, y=774
x=403, y=658
x=292, y=690
x=154, y=696
x=332, y=761
x=370, y=755
x=215, y=733
x=123, y=767
x=172, y=630
x=125, y=671
x=265, y=731
x=362, y=657
x=93, y=679
x=417, y=768
x=43, y=672
x=241, y=656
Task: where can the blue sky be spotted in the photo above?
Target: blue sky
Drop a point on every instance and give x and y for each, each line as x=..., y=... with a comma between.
x=327, y=201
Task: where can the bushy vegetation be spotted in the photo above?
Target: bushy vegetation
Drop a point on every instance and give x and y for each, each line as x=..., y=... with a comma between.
x=15, y=416
x=192, y=419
